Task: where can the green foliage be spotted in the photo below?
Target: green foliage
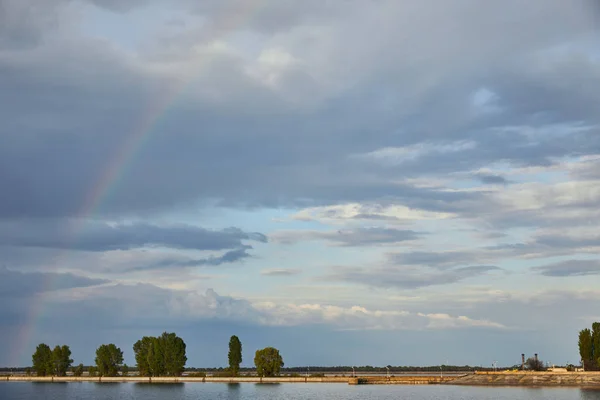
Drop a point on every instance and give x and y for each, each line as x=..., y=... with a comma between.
x=125, y=370
x=141, y=349
x=595, y=346
x=268, y=362
x=235, y=355
x=28, y=371
x=61, y=360
x=42, y=360
x=78, y=370
x=223, y=374
x=197, y=374
x=108, y=359
x=535, y=365
x=586, y=351
x=160, y=356
x=92, y=371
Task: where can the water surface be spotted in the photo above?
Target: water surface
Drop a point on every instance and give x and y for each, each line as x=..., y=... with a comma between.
x=288, y=391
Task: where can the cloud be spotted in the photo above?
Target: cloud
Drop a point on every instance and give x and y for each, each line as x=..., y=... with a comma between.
x=435, y=259
x=104, y=236
x=492, y=179
x=570, y=268
x=406, y=278
x=357, y=237
x=342, y=213
x=361, y=318
x=280, y=272
x=317, y=170
x=228, y=257
x=22, y=285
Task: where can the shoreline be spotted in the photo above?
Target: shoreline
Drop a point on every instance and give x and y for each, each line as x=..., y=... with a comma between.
x=492, y=379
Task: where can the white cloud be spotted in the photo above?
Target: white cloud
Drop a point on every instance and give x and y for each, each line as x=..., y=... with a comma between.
x=345, y=213
x=393, y=156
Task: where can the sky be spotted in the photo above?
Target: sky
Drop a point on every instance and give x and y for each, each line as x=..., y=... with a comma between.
x=353, y=182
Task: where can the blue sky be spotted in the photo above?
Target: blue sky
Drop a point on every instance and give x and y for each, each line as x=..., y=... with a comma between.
x=390, y=182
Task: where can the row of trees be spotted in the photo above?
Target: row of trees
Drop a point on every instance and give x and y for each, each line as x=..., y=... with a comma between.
x=164, y=355
x=155, y=356
x=589, y=347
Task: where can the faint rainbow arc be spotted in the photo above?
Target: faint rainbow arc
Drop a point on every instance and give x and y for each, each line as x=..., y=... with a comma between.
x=116, y=168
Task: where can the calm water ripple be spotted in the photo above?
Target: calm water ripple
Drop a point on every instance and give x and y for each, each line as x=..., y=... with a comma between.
x=247, y=391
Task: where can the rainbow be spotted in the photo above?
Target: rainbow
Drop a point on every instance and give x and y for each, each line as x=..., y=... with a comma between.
x=108, y=180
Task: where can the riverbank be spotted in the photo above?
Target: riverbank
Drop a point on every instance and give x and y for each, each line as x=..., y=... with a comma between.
x=359, y=380
x=539, y=379
x=579, y=379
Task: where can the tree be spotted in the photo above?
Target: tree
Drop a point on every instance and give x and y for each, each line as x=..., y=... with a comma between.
x=78, y=370
x=61, y=360
x=534, y=364
x=42, y=360
x=268, y=361
x=586, y=347
x=595, y=346
x=235, y=355
x=108, y=359
x=141, y=349
x=125, y=370
x=173, y=353
x=159, y=356
x=92, y=371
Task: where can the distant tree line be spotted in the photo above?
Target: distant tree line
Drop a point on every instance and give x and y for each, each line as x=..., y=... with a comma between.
x=589, y=347
x=164, y=355
x=155, y=356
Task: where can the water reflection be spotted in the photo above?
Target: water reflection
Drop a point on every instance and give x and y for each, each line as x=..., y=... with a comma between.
x=589, y=394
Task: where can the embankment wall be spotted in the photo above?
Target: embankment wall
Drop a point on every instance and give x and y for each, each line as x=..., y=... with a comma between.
x=529, y=379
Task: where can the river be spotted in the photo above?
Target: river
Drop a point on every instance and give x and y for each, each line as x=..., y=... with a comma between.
x=289, y=391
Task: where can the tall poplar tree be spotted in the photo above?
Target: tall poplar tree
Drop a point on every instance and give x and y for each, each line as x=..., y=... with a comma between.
x=585, y=347
x=234, y=355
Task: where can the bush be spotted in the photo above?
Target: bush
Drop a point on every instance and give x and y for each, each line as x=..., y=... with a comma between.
x=223, y=374
x=197, y=374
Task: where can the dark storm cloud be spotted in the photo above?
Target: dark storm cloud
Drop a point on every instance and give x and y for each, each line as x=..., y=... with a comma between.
x=570, y=268
x=99, y=236
x=406, y=278
x=19, y=284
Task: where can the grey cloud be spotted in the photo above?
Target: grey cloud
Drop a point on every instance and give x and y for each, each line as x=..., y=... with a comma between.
x=24, y=23
x=99, y=236
x=570, y=268
x=356, y=237
x=18, y=284
x=492, y=179
x=228, y=257
x=434, y=259
x=280, y=272
x=262, y=167
x=566, y=241
x=406, y=278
